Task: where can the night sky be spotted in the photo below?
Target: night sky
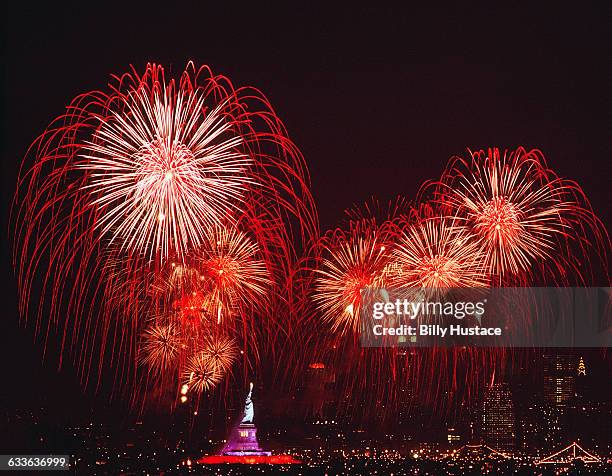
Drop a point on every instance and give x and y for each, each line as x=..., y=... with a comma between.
x=377, y=98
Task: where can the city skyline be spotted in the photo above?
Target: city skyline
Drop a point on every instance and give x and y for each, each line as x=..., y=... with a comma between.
x=319, y=442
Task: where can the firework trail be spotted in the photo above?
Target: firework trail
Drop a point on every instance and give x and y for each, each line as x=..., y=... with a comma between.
x=150, y=172
x=351, y=263
x=161, y=347
x=498, y=219
x=522, y=214
x=435, y=252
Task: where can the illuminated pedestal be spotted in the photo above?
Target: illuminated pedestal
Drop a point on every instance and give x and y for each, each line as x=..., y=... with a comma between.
x=243, y=442
x=242, y=446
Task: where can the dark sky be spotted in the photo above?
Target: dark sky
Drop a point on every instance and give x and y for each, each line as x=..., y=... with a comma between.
x=377, y=98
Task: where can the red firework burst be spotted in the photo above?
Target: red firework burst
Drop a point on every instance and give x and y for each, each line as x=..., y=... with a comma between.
x=519, y=210
x=161, y=347
x=435, y=252
x=351, y=263
x=151, y=170
x=199, y=374
x=232, y=270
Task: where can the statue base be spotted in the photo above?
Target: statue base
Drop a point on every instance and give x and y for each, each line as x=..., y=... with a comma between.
x=243, y=442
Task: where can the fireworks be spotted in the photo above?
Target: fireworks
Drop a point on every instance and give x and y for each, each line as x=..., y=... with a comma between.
x=199, y=375
x=159, y=213
x=435, y=253
x=225, y=278
x=352, y=262
x=517, y=209
x=407, y=251
x=498, y=219
x=203, y=368
x=205, y=296
x=221, y=352
x=231, y=268
x=168, y=225
x=160, y=348
x=163, y=166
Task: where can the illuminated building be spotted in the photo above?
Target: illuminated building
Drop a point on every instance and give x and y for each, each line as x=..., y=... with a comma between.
x=498, y=425
x=581, y=367
x=453, y=436
x=559, y=379
x=560, y=371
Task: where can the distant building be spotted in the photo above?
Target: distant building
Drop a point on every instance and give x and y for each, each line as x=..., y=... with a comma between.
x=559, y=379
x=532, y=427
x=498, y=419
x=560, y=372
x=581, y=367
x=453, y=436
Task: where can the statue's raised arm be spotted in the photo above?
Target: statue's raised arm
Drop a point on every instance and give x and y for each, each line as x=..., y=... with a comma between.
x=248, y=407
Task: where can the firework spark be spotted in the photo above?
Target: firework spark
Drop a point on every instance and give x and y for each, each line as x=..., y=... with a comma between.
x=520, y=211
x=154, y=170
x=220, y=351
x=200, y=374
x=161, y=346
x=352, y=263
x=435, y=253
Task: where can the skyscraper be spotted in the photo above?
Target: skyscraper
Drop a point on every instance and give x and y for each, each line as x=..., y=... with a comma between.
x=498, y=420
x=559, y=379
x=581, y=367
x=560, y=371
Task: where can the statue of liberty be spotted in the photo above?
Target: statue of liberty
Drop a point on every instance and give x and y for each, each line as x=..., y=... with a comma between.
x=248, y=407
x=243, y=439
